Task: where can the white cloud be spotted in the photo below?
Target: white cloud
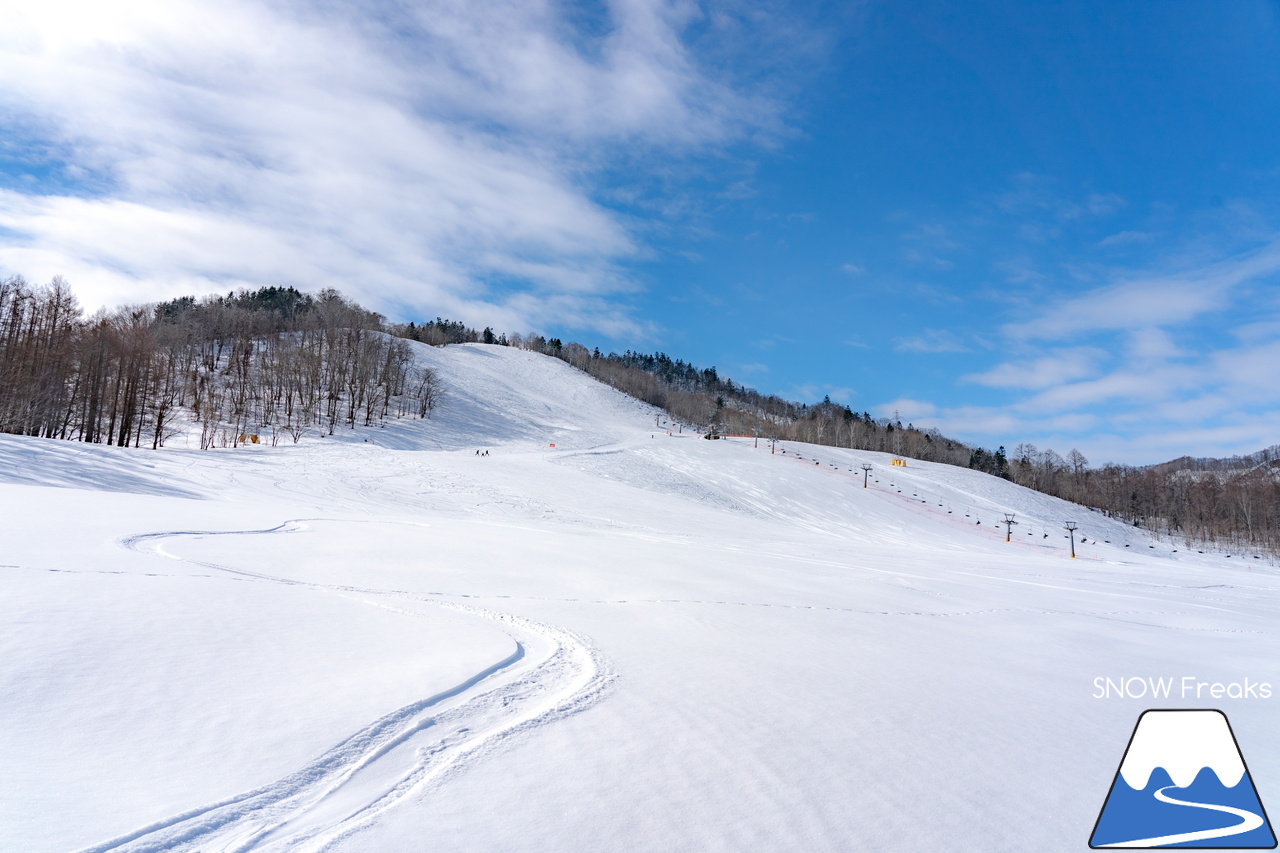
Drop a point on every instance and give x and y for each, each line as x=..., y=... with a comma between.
x=438, y=157
x=1250, y=373
x=1061, y=367
x=1148, y=437
x=1118, y=390
x=1152, y=300
x=1150, y=344
x=1112, y=361
x=1258, y=330
x=1154, y=402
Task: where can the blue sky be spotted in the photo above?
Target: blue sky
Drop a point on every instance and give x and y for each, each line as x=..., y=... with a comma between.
x=1048, y=223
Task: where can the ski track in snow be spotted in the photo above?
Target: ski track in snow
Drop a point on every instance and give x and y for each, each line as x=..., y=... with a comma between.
x=553, y=674
x=1249, y=821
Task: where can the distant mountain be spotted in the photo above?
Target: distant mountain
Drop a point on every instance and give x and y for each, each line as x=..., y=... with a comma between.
x=1263, y=459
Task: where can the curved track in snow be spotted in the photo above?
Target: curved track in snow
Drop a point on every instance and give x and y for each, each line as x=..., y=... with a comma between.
x=1248, y=822
x=552, y=674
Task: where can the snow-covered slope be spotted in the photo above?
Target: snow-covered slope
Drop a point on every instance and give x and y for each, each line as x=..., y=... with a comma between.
x=381, y=641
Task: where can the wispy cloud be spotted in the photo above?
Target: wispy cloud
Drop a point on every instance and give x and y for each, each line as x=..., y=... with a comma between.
x=1123, y=363
x=813, y=391
x=1061, y=367
x=1039, y=195
x=1104, y=204
x=1152, y=299
x=1127, y=238
x=907, y=409
x=1149, y=398
x=931, y=341
x=1021, y=270
x=993, y=424
x=440, y=157
x=928, y=245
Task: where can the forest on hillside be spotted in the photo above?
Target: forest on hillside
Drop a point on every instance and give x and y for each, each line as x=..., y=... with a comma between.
x=275, y=362
x=244, y=367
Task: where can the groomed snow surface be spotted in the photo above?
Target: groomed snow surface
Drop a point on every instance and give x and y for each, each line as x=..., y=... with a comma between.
x=380, y=641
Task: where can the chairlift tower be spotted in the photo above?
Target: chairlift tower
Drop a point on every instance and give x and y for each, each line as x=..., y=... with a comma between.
x=866, y=469
x=1008, y=526
x=1070, y=527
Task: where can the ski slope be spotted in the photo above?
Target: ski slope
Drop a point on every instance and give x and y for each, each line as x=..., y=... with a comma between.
x=380, y=641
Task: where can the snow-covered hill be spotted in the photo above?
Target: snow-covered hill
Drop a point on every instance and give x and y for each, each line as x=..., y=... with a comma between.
x=630, y=640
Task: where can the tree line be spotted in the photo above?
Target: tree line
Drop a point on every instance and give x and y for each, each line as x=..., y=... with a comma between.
x=270, y=363
x=1231, y=503
x=703, y=398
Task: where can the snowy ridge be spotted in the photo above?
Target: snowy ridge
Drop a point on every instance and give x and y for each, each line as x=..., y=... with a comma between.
x=1183, y=743
x=552, y=674
x=496, y=395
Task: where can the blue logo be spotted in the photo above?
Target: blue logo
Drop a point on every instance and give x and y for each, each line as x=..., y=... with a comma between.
x=1183, y=783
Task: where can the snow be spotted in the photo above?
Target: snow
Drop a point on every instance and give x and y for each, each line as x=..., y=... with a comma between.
x=1183, y=743
x=378, y=641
